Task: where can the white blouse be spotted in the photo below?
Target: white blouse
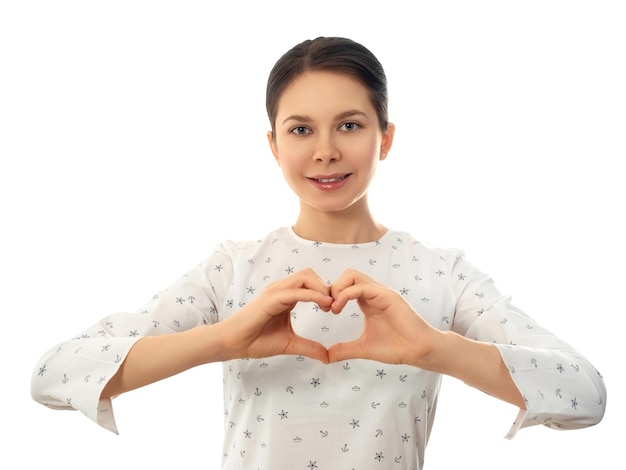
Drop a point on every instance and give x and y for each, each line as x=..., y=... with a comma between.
x=293, y=412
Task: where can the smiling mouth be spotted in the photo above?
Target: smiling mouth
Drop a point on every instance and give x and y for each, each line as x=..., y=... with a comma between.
x=330, y=180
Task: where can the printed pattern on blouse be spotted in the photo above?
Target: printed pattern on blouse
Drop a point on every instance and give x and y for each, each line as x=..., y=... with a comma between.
x=292, y=412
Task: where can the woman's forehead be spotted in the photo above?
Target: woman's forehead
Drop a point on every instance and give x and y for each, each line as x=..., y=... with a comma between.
x=317, y=91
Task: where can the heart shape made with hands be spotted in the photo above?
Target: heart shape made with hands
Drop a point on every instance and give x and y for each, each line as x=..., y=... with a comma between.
x=368, y=320
x=355, y=299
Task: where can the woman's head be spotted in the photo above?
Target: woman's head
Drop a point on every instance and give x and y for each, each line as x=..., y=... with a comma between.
x=332, y=54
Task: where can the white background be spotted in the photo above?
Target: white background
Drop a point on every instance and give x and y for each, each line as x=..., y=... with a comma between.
x=132, y=139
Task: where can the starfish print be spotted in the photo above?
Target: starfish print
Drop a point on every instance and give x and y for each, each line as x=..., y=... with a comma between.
x=405, y=437
x=379, y=456
x=461, y=277
x=404, y=291
x=219, y=267
x=247, y=434
x=289, y=270
x=312, y=465
x=283, y=414
x=355, y=424
x=251, y=290
x=315, y=382
x=179, y=300
x=381, y=373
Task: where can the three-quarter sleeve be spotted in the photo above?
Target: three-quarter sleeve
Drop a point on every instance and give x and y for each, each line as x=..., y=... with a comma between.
x=72, y=374
x=561, y=388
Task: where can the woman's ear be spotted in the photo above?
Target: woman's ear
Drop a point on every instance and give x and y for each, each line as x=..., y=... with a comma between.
x=387, y=140
x=273, y=146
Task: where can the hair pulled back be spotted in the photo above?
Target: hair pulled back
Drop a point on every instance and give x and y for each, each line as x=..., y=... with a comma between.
x=332, y=54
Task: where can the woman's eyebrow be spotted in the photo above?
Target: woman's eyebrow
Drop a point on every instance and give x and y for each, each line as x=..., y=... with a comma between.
x=350, y=113
x=297, y=117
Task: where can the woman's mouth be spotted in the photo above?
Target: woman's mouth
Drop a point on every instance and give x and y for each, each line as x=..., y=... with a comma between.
x=331, y=182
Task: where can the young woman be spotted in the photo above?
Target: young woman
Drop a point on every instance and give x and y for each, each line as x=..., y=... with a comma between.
x=334, y=332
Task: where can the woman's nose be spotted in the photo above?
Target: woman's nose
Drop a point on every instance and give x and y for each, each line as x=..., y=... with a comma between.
x=326, y=149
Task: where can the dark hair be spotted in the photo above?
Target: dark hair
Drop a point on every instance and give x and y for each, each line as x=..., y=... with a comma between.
x=333, y=54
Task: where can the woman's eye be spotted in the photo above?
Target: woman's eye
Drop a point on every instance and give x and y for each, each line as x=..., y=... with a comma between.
x=349, y=126
x=300, y=130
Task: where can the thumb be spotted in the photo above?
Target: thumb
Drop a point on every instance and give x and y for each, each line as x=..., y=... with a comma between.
x=309, y=348
x=342, y=351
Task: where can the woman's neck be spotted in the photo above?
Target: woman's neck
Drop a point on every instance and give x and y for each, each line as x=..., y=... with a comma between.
x=345, y=227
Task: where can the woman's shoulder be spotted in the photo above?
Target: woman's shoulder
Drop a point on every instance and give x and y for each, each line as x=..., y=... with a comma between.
x=399, y=238
x=246, y=246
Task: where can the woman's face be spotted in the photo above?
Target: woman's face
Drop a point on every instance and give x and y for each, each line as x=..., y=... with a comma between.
x=328, y=140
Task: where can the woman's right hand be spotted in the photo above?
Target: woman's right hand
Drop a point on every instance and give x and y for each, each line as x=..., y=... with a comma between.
x=262, y=328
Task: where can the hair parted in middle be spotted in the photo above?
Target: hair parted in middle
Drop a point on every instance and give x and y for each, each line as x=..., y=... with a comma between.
x=331, y=54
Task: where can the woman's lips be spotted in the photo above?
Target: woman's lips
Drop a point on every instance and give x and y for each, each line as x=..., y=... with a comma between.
x=330, y=182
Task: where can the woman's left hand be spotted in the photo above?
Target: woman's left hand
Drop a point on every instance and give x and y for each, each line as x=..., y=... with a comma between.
x=393, y=333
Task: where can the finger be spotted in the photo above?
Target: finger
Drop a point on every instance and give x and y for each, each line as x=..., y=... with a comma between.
x=343, y=351
x=293, y=296
x=306, y=278
x=353, y=292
